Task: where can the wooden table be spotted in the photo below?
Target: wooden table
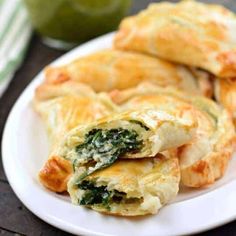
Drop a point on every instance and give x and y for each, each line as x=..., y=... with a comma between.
x=15, y=218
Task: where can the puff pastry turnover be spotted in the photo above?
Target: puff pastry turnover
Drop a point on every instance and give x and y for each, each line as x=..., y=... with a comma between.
x=112, y=69
x=189, y=32
x=225, y=93
x=128, y=187
x=205, y=158
x=62, y=107
x=130, y=134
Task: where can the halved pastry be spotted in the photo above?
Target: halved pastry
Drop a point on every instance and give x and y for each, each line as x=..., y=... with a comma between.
x=131, y=134
x=205, y=158
x=113, y=69
x=128, y=187
x=188, y=32
x=62, y=107
x=225, y=94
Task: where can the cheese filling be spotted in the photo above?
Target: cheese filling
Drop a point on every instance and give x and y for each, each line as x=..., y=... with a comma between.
x=102, y=147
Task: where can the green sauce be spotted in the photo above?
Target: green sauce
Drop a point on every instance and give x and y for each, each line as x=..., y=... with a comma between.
x=76, y=21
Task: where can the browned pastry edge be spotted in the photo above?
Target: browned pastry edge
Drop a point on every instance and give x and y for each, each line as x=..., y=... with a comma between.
x=55, y=174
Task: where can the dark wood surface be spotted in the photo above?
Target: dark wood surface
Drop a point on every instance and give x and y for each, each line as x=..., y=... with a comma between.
x=15, y=218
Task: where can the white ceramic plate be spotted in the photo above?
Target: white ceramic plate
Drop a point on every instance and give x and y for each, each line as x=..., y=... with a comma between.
x=24, y=150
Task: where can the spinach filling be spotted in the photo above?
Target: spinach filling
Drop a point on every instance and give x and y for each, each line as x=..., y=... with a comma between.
x=102, y=147
x=101, y=196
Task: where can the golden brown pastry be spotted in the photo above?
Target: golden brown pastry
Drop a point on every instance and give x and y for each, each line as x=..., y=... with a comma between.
x=155, y=180
x=62, y=107
x=206, y=157
x=128, y=187
x=188, y=32
x=204, y=81
x=133, y=134
x=225, y=93
x=112, y=69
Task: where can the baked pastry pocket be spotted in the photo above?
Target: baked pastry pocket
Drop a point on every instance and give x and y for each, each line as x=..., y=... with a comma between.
x=131, y=134
x=205, y=158
x=113, y=69
x=188, y=32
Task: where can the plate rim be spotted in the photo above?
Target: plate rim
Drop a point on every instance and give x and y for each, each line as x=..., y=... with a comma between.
x=5, y=158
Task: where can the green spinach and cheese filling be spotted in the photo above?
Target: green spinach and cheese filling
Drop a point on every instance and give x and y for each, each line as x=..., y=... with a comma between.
x=101, y=196
x=105, y=146
x=128, y=187
x=102, y=147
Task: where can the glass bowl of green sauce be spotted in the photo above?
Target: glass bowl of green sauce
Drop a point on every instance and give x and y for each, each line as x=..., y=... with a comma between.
x=67, y=23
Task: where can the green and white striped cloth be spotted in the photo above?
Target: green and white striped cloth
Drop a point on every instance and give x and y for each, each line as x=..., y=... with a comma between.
x=15, y=32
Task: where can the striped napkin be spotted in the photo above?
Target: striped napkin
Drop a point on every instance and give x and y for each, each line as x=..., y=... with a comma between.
x=15, y=32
